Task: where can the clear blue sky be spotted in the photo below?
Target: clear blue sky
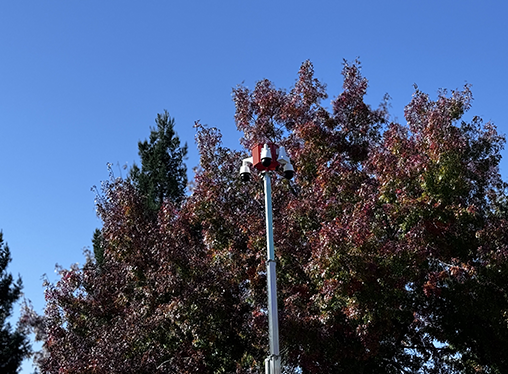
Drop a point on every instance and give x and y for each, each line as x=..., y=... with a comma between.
x=81, y=82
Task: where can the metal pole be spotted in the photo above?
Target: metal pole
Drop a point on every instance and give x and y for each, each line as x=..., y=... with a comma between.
x=272, y=363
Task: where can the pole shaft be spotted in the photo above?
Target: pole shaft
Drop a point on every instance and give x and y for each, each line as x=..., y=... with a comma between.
x=269, y=221
x=273, y=319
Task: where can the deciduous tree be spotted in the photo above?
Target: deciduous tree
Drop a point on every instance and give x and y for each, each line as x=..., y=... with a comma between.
x=391, y=244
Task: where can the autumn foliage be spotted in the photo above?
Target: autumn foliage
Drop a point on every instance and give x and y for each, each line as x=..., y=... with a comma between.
x=391, y=244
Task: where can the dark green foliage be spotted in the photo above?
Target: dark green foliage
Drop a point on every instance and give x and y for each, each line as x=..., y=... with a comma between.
x=162, y=175
x=13, y=344
x=98, y=247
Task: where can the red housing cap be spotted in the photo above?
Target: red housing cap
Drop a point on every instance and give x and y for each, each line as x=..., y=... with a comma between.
x=256, y=157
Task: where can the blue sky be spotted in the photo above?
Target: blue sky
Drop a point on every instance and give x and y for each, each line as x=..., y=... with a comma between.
x=81, y=82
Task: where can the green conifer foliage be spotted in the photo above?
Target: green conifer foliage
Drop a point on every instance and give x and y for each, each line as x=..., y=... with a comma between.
x=13, y=343
x=163, y=174
x=98, y=247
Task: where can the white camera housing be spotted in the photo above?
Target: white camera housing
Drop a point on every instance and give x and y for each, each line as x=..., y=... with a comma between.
x=245, y=169
x=266, y=156
x=283, y=159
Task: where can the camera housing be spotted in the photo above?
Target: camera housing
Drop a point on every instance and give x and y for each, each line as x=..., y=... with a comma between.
x=284, y=161
x=245, y=169
x=266, y=157
x=289, y=171
x=245, y=173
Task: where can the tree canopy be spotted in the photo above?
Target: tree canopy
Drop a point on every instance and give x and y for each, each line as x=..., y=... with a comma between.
x=14, y=346
x=163, y=174
x=391, y=244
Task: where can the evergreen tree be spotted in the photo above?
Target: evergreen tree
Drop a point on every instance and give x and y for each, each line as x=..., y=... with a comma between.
x=13, y=344
x=98, y=247
x=162, y=175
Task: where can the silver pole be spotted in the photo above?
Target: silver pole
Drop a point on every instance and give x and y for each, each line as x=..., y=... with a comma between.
x=272, y=363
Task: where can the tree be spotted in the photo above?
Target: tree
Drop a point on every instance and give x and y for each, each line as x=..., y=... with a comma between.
x=14, y=345
x=163, y=174
x=98, y=246
x=391, y=247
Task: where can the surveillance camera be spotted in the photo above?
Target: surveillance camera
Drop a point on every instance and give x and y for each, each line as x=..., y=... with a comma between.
x=245, y=170
x=289, y=172
x=245, y=173
x=266, y=156
x=283, y=157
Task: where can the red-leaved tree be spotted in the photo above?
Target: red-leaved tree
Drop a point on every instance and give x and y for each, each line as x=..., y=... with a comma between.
x=391, y=244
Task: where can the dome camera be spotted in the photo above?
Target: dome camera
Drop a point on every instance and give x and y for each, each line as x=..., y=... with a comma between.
x=245, y=170
x=266, y=156
x=289, y=172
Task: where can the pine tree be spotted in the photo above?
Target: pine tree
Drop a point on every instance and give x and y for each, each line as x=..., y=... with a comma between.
x=162, y=175
x=13, y=344
x=98, y=247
